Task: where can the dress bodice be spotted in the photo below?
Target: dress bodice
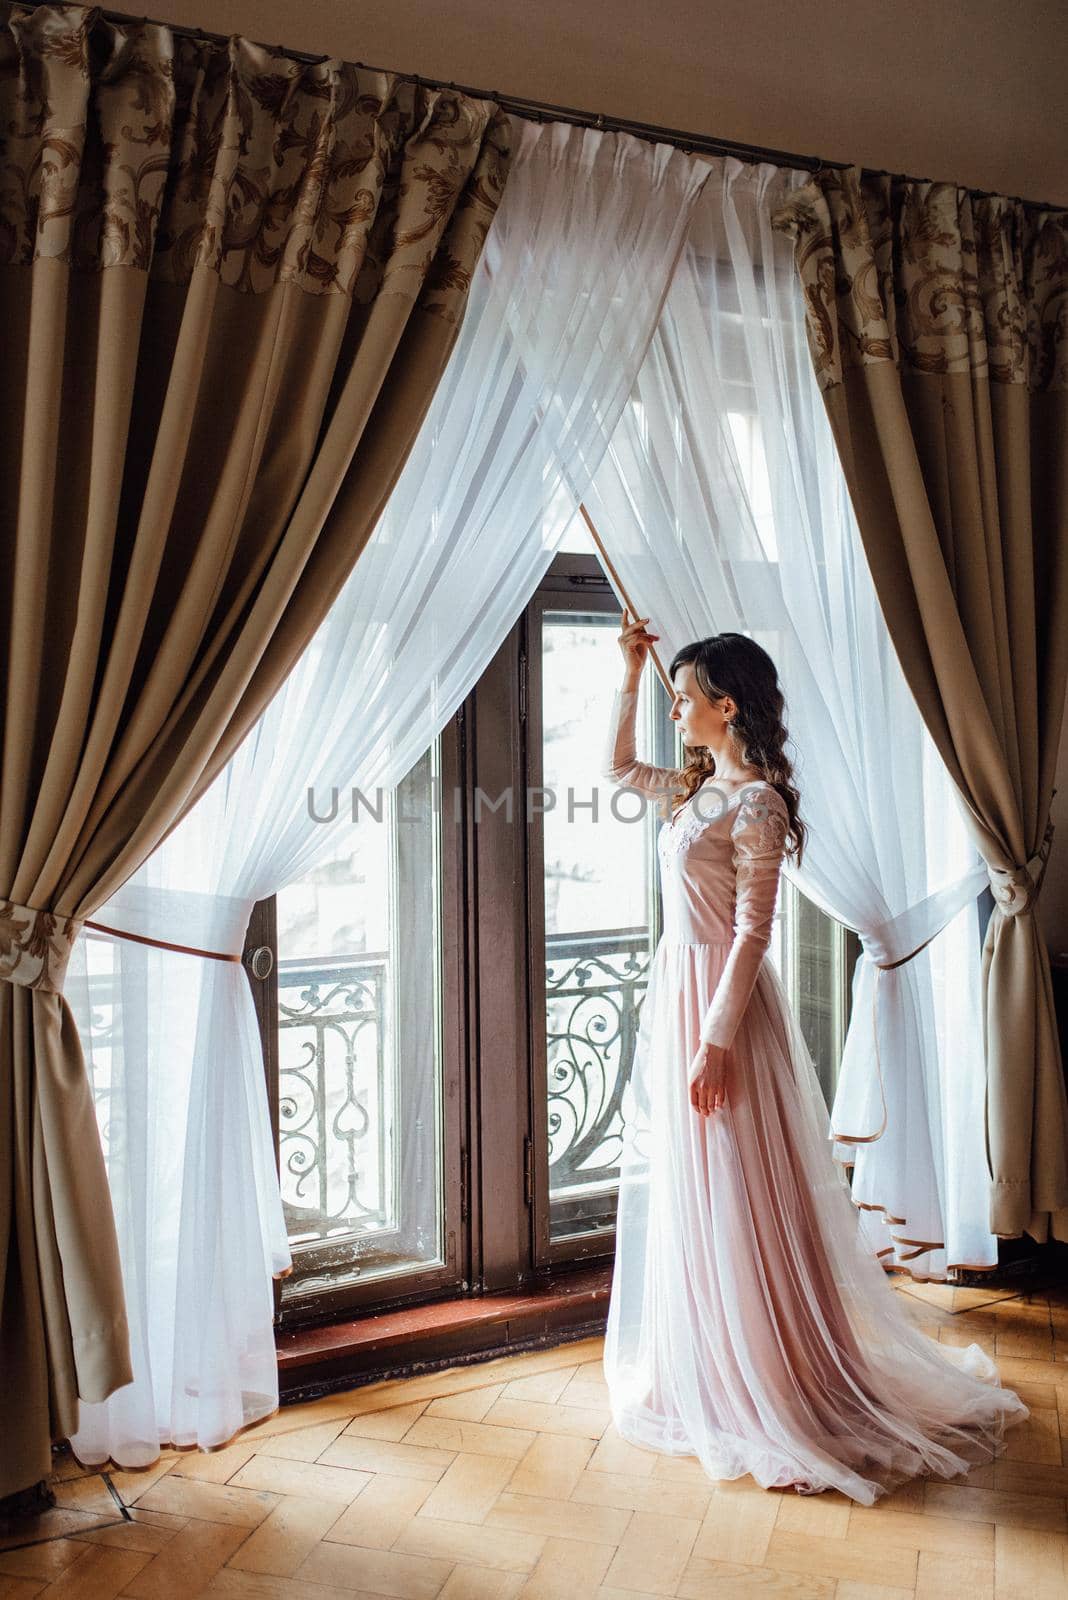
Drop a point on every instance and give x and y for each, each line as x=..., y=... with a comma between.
x=697, y=856
x=720, y=861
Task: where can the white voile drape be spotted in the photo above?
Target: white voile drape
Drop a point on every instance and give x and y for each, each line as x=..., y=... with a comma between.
x=723, y=506
x=565, y=299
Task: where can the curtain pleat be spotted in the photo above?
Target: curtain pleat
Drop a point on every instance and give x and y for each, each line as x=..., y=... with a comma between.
x=230, y=282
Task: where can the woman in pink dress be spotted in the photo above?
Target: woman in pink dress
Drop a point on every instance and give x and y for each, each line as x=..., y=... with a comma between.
x=749, y=1324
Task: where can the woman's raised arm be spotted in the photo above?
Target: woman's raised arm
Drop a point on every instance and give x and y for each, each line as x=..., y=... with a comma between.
x=619, y=763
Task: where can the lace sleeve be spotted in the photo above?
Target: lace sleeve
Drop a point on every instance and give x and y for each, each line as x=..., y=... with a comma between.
x=619, y=764
x=758, y=835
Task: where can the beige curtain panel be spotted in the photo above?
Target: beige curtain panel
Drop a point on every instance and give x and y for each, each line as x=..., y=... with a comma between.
x=230, y=283
x=938, y=326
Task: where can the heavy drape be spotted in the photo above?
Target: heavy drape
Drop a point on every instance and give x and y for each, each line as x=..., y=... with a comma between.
x=937, y=328
x=722, y=504
x=562, y=306
x=230, y=282
x=561, y=309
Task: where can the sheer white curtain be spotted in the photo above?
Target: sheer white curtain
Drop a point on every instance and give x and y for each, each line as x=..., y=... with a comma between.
x=564, y=303
x=723, y=507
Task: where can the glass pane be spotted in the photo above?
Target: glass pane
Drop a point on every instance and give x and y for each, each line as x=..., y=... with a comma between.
x=600, y=915
x=360, y=1073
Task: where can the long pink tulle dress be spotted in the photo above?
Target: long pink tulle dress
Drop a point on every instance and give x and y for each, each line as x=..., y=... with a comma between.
x=749, y=1324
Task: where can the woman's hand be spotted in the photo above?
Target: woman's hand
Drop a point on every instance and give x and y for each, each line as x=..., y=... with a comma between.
x=634, y=641
x=708, y=1079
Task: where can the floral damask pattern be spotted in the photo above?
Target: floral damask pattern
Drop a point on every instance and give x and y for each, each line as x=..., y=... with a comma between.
x=128, y=145
x=931, y=277
x=35, y=946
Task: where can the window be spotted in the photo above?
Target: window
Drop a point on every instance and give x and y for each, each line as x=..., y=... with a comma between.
x=360, y=1076
x=354, y=970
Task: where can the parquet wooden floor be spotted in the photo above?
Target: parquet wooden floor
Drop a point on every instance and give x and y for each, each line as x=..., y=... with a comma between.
x=506, y=1481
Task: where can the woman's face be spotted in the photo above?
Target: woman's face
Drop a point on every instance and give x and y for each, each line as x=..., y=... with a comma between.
x=700, y=721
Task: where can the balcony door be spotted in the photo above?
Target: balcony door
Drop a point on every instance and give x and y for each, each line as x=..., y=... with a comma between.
x=450, y=1005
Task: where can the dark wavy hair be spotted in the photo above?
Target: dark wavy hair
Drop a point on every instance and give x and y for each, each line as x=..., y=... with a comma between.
x=734, y=664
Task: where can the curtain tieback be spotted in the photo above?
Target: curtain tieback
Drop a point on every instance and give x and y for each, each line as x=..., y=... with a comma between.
x=935, y=912
x=35, y=946
x=880, y=968
x=1016, y=888
x=164, y=944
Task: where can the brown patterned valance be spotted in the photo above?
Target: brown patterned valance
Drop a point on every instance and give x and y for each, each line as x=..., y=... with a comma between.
x=129, y=145
x=931, y=277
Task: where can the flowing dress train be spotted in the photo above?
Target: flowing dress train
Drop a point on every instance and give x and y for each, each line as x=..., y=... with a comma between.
x=749, y=1323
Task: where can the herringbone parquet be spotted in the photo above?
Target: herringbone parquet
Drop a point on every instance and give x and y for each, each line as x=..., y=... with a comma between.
x=506, y=1480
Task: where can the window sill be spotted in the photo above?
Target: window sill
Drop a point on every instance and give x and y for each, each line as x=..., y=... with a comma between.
x=445, y=1333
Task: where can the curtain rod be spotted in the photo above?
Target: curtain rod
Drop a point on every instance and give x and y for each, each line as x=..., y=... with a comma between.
x=544, y=111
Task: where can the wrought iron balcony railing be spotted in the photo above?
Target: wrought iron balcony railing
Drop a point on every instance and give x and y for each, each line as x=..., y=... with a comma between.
x=336, y=1091
x=337, y=1088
